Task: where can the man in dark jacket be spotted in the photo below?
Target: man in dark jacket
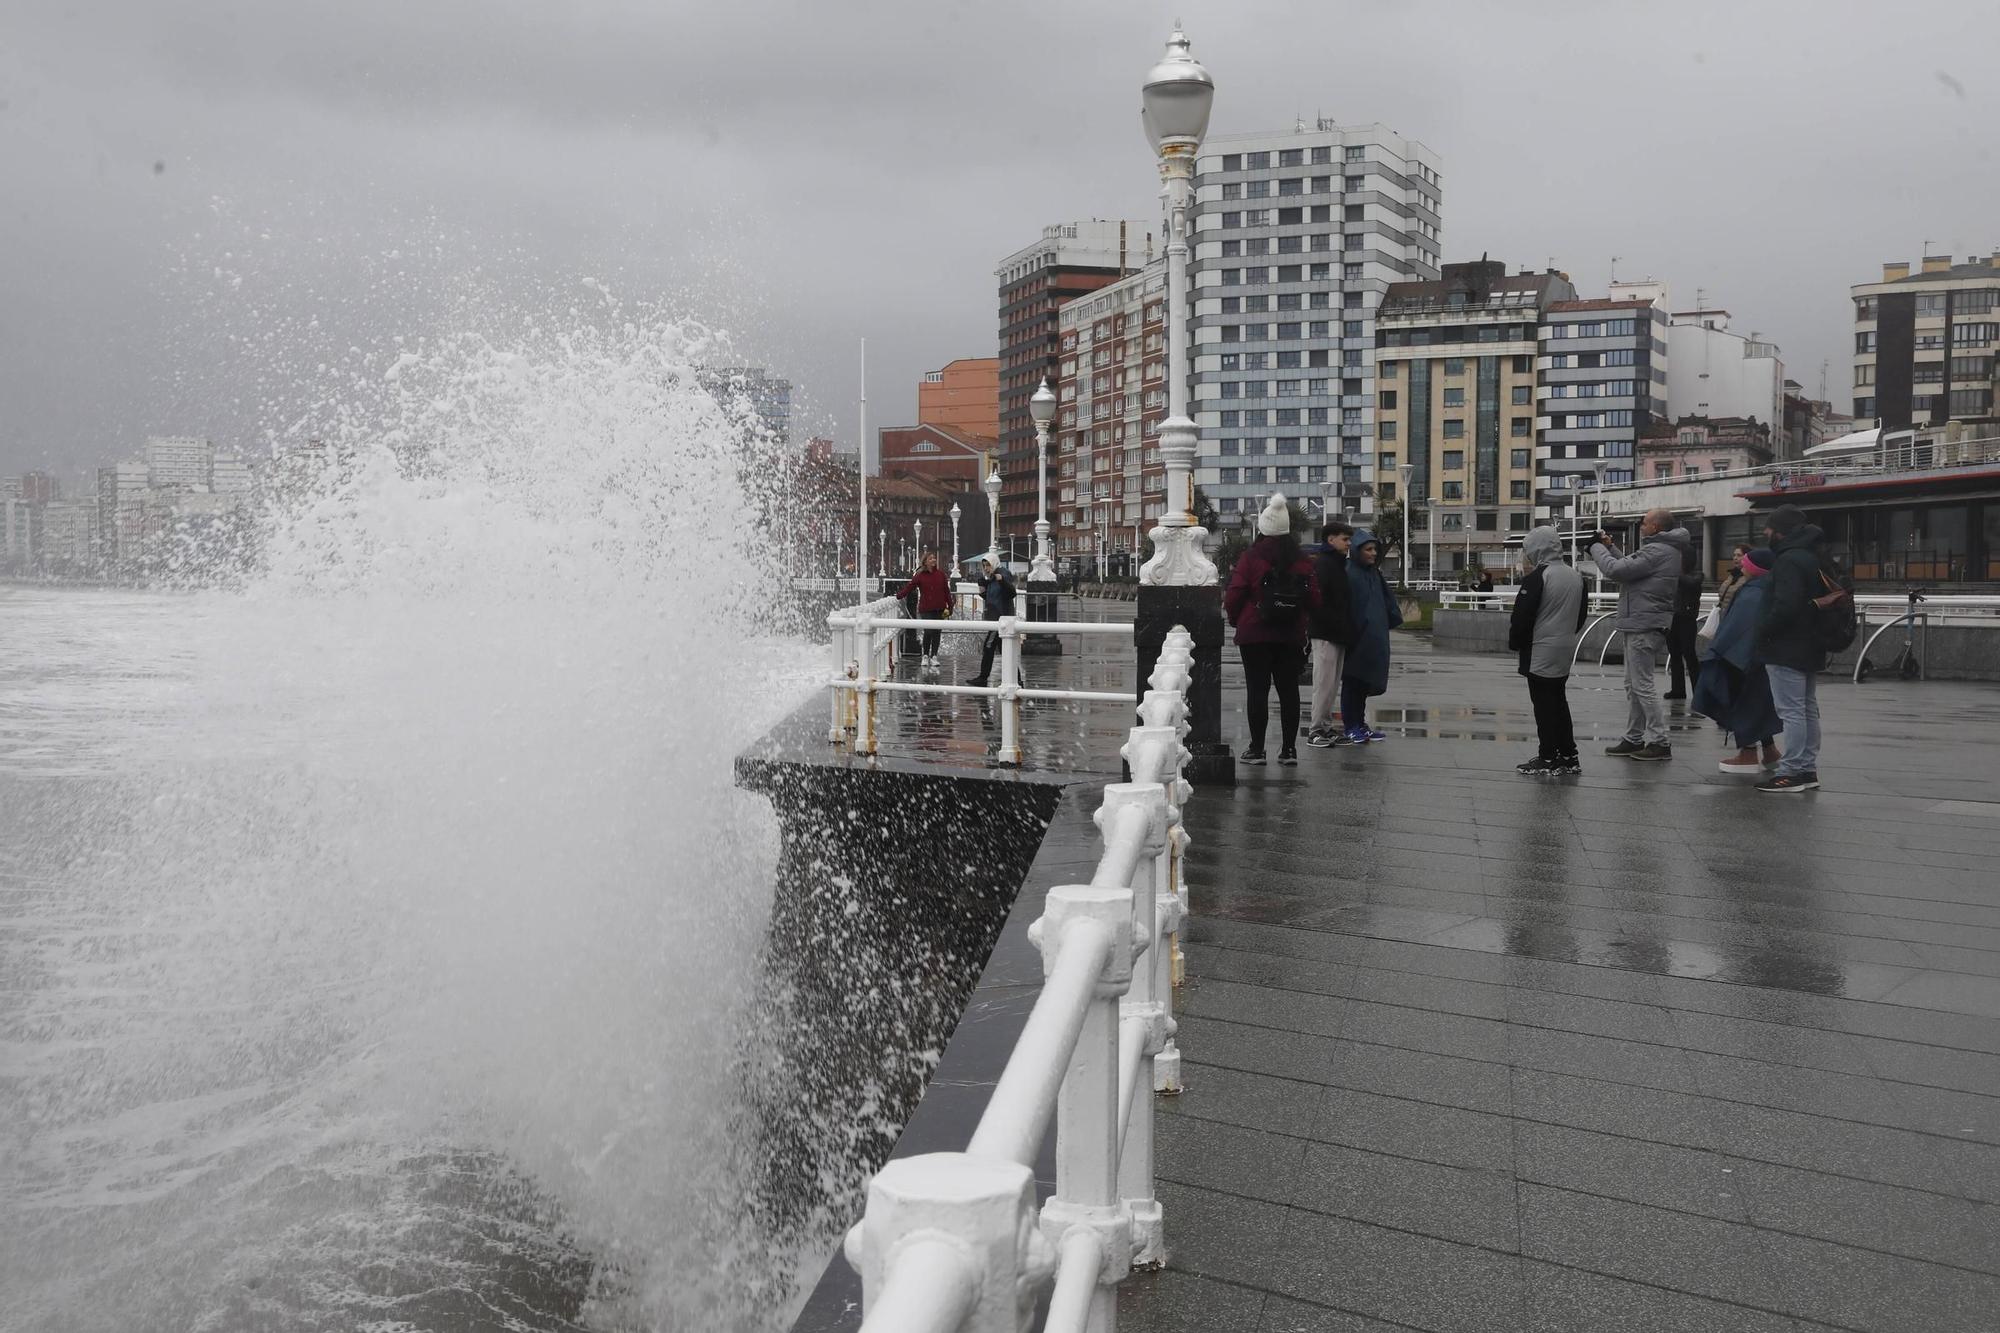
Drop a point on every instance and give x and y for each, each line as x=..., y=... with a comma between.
x=1788, y=645
x=1331, y=631
x=1372, y=611
x=1682, y=652
x=996, y=589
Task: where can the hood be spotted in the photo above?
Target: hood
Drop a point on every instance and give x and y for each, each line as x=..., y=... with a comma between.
x=1540, y=546
x=1675, y=537
x=1363, y=537
x=1807, y=536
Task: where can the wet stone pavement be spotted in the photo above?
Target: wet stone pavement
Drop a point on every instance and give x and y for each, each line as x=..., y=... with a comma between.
x=1639, y=1050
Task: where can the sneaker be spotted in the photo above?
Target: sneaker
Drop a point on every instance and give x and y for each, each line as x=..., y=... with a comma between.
x=1674, y=696
x=980, y=681
x=1352, y=736
x=1652, y=754
x=1253, y=755
x=1288, y=757
x=1790, y=782
x=1738, y=767
x=1321, y=738
x=1537, y=767
x=1623, y=749
x=1566, y=767
x=1375, y=735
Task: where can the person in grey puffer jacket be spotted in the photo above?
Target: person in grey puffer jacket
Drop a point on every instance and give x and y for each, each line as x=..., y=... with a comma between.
x=1647, y=582
x=1548, y=613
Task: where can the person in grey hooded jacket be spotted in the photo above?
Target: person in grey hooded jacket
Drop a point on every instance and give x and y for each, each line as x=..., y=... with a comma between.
x=1647, y=582
x=1548, y=614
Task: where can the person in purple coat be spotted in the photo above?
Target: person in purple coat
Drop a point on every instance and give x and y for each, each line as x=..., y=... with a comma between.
x=1270, y=600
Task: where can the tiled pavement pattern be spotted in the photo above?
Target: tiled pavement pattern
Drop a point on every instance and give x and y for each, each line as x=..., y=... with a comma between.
x=1640, y=1051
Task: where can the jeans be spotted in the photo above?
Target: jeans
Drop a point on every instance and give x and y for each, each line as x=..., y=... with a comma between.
x=1327, y=661
x=931, y=636
x=1645, y=715
x=1796, y=695
x=1265, y=665
x=1353, y=704
x=1557, y=732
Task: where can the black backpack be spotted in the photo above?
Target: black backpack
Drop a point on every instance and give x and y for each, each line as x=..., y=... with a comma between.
x=1834, y=624
x=1280, y=598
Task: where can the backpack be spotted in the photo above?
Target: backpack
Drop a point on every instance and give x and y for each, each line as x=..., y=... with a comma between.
x=1280, y=598
x=1834, y=625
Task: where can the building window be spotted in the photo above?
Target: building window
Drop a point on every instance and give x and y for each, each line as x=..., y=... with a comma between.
x=1257, y=161
x=1930, y=304
x=1291, y=157
x=1232, y=190
x=1322, y=154
x=1661, y=471
x=1454, y=398
x=1454, y=365
x=1864, y=375
x=1256, y=189
x=1864, y=342
x=1232, y=418
x=1973, y=335
x=1517, y=458
x=1864, y=308
x=1232, y=161
x=1386, y=369
x=1523, y=395
x=1454, y=429
x=1454, y=460
x=1228, y=476
x=1386, y=400
x=1521, y=427
x=1232, y=249
x=1517, y=490
x=1351, y=273
x=1717, y=465
x=1453, y=490
x=1354, y=154
x=1385, y=430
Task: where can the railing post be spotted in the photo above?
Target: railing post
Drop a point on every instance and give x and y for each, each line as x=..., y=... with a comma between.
x=1142, y=1013
x=836, y=730
x=866, y=703
x=1010, y=689
x=1087, y=1107
x=1157, y=755
x=957, y=1232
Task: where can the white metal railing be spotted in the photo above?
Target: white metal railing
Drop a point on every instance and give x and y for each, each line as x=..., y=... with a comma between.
x=863, y=644
x=951, y=1242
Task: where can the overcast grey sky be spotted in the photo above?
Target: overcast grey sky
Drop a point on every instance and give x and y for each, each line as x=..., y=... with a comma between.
x=803, y=174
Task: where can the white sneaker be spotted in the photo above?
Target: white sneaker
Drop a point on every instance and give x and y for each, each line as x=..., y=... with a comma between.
x=1753, y=768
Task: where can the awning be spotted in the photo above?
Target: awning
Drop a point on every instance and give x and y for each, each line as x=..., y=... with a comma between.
x=1854, y=442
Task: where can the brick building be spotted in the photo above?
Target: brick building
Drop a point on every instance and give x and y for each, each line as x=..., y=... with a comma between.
x=965, y=395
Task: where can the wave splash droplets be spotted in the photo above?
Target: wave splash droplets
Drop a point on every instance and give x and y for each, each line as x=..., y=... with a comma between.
x=403, y=961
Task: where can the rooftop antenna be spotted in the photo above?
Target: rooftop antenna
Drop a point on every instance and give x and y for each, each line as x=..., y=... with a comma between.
x=1822, y=379
x=1614, y=268
x=1701, y=298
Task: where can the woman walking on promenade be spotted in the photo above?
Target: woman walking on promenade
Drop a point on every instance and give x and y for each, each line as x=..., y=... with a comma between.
x=933, y=591
x=1372, y=610
x=1548, y=614
x=1733, y=687
x=1270, y=600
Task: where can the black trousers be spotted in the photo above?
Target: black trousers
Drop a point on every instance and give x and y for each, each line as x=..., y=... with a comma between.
x=1353, y=704
x=932, y=636
x=1266, y=665
x=1683, y=659
x=1550, y=695
x=987, y=652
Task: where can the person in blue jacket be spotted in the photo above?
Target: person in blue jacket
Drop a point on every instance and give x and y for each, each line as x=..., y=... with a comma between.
x=1733, y=687
x=1372, y=612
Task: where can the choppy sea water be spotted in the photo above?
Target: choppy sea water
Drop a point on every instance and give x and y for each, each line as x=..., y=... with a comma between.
x=377, y=934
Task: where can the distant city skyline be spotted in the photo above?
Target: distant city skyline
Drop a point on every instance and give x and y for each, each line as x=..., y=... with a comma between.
x=206, y=202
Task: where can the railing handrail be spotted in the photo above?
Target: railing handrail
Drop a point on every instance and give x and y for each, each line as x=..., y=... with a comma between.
x=951, y=1242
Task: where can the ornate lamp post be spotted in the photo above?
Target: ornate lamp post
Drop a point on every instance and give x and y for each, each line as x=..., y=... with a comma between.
x=1178, y=585
x=1042, y=407
x=956, y=514
x=992, y=488
x=1406, y=471
x=1042, y=569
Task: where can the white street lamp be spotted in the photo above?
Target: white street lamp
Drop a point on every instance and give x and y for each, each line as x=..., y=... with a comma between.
x=992, y=488
x=917, y=543
x=1175, y=102
x=1406, y=471
x=1042, y=407
x=1431, y=526
x=956, y=513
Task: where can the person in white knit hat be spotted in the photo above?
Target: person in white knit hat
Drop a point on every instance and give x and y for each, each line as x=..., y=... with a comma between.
x=1270, y=600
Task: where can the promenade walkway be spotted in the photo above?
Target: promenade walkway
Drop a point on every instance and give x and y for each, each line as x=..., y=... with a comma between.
x=1641, y=1050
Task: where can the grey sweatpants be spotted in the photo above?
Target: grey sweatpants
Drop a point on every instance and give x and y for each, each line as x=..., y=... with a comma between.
x=1645, y=715
x=1327, y=661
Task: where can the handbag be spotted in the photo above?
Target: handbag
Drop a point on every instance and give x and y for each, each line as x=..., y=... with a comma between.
x=1709, y=625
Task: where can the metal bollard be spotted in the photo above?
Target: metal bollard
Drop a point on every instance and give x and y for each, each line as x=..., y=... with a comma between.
x=1010, y=690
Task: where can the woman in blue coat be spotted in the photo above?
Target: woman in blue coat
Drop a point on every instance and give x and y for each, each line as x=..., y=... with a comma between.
x=1372, y=612
x=1733, y=688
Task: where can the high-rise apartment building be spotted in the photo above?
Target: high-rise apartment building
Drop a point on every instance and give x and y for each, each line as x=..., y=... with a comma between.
x=179, y=462
x=763, y=394
x=1455, y=402
x=964, y=396
x=1106, y=480
x=1603, y=366
x=1925, y=344
x=1297, y=237
x=1071, y=259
